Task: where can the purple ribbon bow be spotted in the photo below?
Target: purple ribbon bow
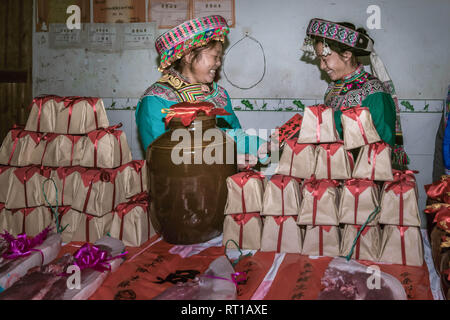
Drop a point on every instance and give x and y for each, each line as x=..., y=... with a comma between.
x=90, y=256
x=22, y=246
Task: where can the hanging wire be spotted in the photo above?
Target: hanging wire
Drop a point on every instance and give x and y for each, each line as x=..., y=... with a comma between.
x=264, y=57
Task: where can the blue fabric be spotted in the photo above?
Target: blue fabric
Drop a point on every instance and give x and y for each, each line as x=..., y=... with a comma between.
x=150, y=123
x=446, y=146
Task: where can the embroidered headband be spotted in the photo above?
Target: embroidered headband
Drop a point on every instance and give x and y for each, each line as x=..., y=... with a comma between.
x=175, y=43
x=360, y=43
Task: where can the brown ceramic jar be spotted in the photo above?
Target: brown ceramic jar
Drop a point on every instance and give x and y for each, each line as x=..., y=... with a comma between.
x=187, y=201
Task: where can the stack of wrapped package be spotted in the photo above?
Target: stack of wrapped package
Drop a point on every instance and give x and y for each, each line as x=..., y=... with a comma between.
x=326, y=163
x=439, y=212
x=390, y=222
x=68, y=157
x=243, y=222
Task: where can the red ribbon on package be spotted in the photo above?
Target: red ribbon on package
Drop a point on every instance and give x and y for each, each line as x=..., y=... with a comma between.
x=318, y=110
x=331, y=149
x=137, y=165
x=241, y=219
x=188, y=111
x=96, y=135
x=317, y=188
x=358, y=241
x=124, y=208
x=354, y=114
x=24, y=174
x=242, y=178
x=280, y=221
x=71, y=101
x=356, y=187
x=296, y=149
x=39, y=102
x=92, y=176
x=374, y=150
x=321, y=228
x=399, y=187
x=64, y=172
x=17, y=132
x=402, y=240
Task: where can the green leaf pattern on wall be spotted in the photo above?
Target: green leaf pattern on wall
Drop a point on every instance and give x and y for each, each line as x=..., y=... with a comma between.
x=407, y=105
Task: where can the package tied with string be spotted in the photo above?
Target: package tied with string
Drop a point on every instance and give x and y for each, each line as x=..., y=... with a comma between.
x=359, y=199
x=320, y=202
x=245, y=229
x=439, y=190
x=29, y=220
x=399, y=201
x=281, y=234
x=282, y=196
x=297, y=159
x=97, y=192
x=318, y=125
x=80, y=115
x=84, y=227
x=333, y=161
x=321, y=241
x=19, y=148
x=134, y=177
x=245, y=192
x=66, y=180
x=105, y=148
x=131, y=222
x=402, y=245
x=358, y=127
x=374, y=162
x=42, y=117
x=5, y=175
x=367, y=246
x=58, y=150
x=30, y=187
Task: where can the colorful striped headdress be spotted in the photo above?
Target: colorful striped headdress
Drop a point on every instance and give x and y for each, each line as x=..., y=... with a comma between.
x=175, y=43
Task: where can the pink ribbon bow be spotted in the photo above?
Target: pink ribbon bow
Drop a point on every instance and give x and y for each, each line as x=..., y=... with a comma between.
x=90, y=256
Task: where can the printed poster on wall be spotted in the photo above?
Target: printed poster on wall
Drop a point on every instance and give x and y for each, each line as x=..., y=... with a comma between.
x=119, y=11
x=169, y=13
x=55, y=11
x=225, y=8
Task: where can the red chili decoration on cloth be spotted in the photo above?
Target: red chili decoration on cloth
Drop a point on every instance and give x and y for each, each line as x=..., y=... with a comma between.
x=188, y=111
x=354, y=114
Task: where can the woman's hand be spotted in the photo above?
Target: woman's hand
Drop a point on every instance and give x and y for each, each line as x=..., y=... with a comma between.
x=246, y=161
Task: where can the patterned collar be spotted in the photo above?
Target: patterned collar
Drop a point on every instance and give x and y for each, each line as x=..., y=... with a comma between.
x=358, y=72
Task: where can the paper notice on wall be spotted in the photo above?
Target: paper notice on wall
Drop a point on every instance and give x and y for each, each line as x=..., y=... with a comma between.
x=224, y=8
x=139, y=35
x=119, y=11
x=62, y=37
x=103, y=37
x=55, y=11
x=169, y=13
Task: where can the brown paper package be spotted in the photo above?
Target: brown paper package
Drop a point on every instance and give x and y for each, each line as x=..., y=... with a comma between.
x=46, y=120
x=252, y=230
x=136, y=226
x=367, y=203
x=308, y=131
x=272, y=202
x=58, y=151
x=291, y=237
x=25, y=150
x=301, y=165
x=339, y=164
x=5, y=175
x=383, y=166
x=97, y=227
x=26, y=220
x=353, y=137
x=82, y=120
x=253, y=195
x=108, y=151
x=133, y=181
x=330, y=240
x=66, y=188
x=327, y=208
x=369, y=242
x=390, y=208
x=391, y=246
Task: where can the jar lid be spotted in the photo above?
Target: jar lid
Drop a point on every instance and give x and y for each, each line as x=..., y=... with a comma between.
x=188, y=111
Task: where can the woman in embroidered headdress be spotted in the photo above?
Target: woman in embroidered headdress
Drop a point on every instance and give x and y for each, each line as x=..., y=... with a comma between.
x=191, y=55
x=337, y=46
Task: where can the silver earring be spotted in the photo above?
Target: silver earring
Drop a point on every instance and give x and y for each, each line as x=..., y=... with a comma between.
x=308, y=47
x=326, y=51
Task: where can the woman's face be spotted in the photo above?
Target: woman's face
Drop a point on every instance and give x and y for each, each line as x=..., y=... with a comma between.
x=204, y=67
x=335, y=65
